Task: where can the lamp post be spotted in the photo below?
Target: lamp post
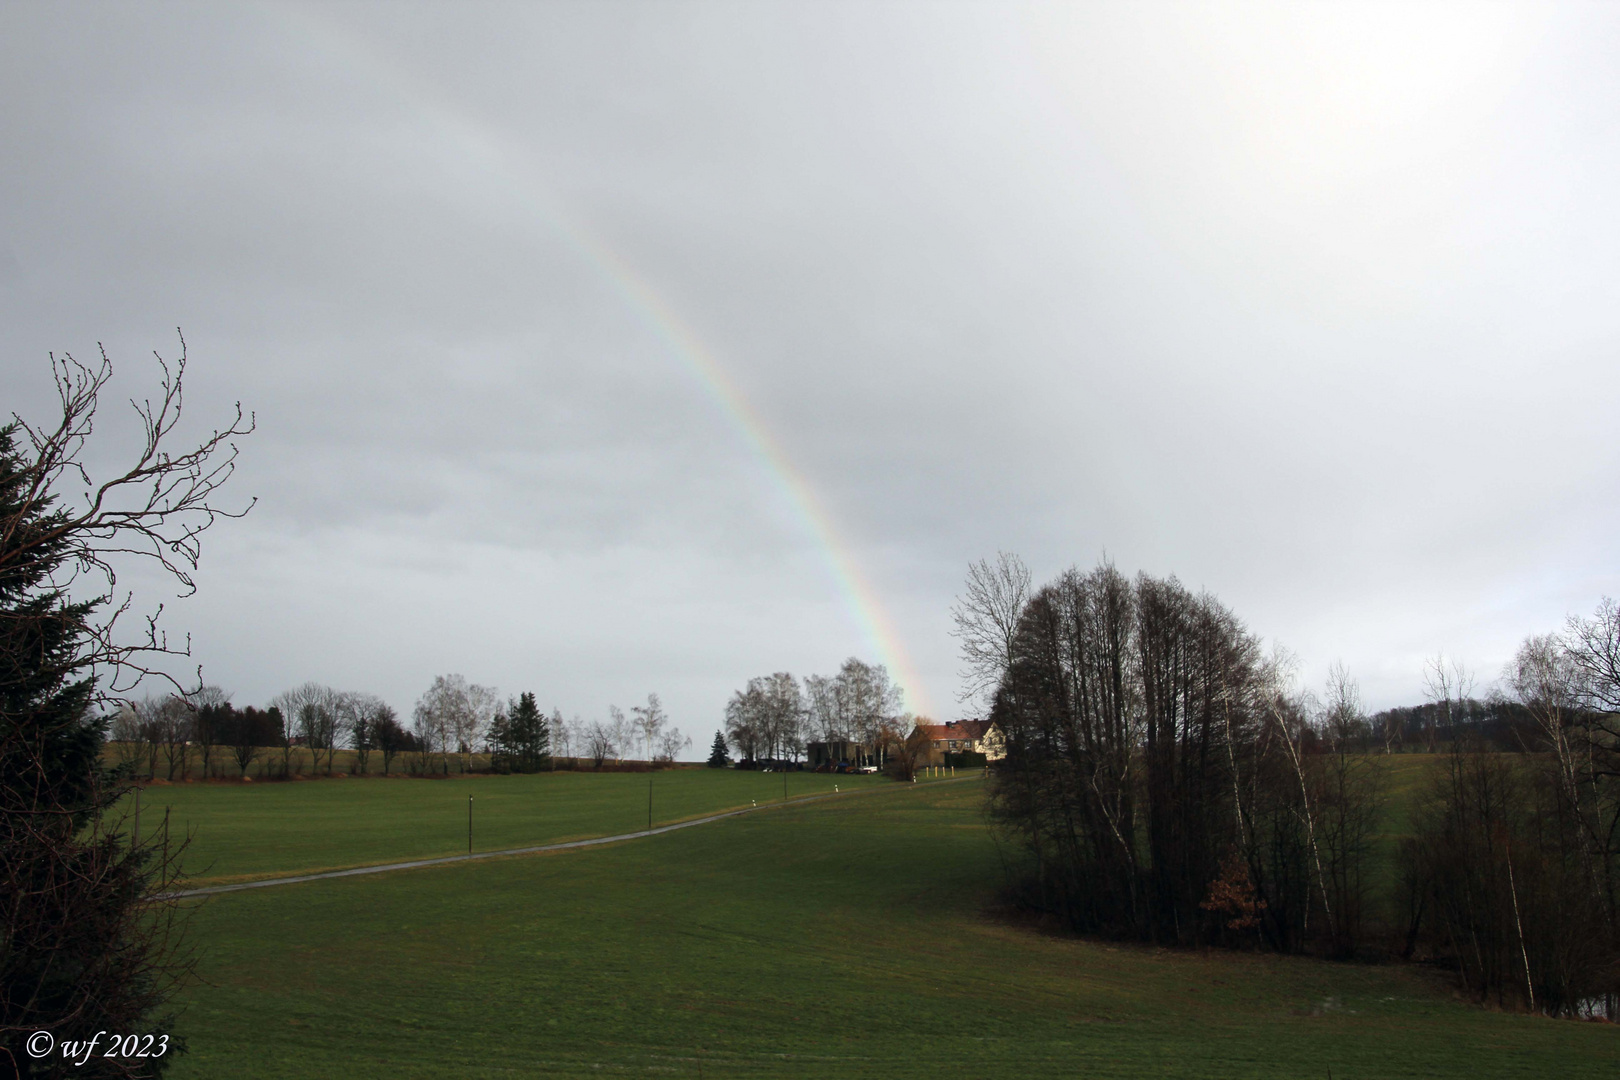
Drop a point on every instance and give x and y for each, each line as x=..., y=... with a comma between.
x=469, y=824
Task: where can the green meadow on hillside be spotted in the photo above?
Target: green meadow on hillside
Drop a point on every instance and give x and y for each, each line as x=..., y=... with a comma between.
x=243, y=831
x=852, y=937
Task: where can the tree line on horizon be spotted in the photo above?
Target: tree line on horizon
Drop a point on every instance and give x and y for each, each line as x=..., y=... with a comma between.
x=1166, y=782
x=774, y=718
x=452, y=721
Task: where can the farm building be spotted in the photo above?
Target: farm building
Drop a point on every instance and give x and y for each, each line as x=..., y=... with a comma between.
x=966, y=737
x=836, y=752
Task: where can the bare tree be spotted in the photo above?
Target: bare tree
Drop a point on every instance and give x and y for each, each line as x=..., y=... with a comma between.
x=311, y=710
x=430, y=728
x=873, y=703
x=1449, y=685
x=620, y=731
x=244, y=748
x=670, y=745
x=1164, y=780
x=598, y=742
x=284, y=737
x=1343, y=719
x=1347, y=795
x=827, y=714
x=1593, y=646
x=650, y=721
x=564, y=737
x=359, y=716
x=483, y=702
x=784, y=715
x=211, y=713
x=389, y=736
x=1391, y=730
x=1288, y=711
x=745, y=723
x=157, y=510
x=126, y=736
x=907, y=756
x=454, y=713
x=986, y=617
x=768, y=717
x=1546, y=681
x=167, y=719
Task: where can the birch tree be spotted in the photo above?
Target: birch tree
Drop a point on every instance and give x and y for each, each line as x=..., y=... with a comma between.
x=985, y=621
x=650, y=721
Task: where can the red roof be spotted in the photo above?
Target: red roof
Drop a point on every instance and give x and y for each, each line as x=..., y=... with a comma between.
x=956, y=729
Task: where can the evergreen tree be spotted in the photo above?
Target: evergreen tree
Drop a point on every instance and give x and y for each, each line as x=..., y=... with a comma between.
x=501, y=753
x=88, y=943
x=521, y=736
x=717, y=753
x=78, y=954
x=530, y=733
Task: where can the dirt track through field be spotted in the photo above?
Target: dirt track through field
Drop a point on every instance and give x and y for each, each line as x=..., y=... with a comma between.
x=536, y=850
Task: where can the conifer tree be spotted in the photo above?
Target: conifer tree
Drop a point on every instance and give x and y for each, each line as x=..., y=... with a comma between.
x=520, y=736
x=717, y=752
x=529, y=735
x=87, y=943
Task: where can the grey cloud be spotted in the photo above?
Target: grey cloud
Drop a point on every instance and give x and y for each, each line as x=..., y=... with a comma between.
x=1314, y=315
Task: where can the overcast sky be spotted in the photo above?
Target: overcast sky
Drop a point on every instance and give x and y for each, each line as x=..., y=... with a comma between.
x=605, y=348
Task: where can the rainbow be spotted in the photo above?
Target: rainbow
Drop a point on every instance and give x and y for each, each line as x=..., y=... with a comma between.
x=497, y=156
x=683, y=343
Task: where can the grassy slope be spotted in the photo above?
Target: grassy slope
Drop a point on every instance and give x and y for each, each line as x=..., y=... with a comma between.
x=263, y=830
x=841, y=938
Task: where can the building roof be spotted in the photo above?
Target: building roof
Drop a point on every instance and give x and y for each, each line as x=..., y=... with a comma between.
x=956, y=729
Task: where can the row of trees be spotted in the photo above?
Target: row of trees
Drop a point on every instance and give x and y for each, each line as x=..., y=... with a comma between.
x=1513, y=874
x=774, y=717
x=164, y=734
x=646, y=729
x=1167, y=782
x=1157, y=774
x=310, y=719
x=455, y=717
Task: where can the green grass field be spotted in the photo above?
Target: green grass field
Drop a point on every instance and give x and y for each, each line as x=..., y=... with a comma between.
x=855, y=937
x=247, y=831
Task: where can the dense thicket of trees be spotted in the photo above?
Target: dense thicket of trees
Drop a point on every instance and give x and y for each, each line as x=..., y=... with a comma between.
x=773, y=718
x=1157, y=777
x=520, y=737
x=1514, y=873
x=1494, y=723
x=765, y=719
x=1163, y=783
